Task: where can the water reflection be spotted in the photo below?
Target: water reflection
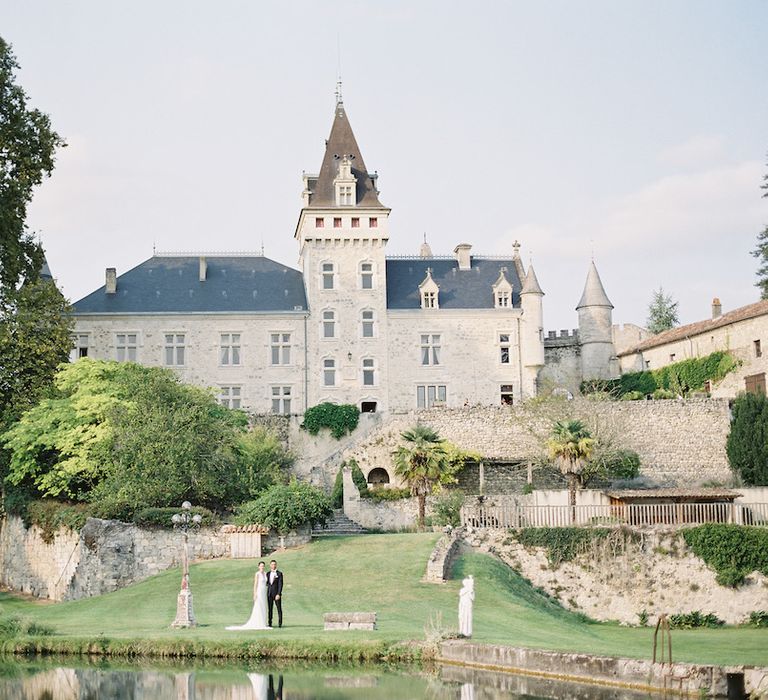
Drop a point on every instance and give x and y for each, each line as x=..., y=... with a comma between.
x=42, y=679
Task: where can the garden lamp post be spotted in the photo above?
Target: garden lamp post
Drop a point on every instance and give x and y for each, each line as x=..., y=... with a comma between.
x=185, y=521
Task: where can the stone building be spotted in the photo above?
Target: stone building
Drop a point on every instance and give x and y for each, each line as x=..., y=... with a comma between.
x=740, y=331
x=352, y=325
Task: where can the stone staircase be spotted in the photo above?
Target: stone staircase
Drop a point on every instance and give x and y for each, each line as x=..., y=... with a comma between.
x=339, y=524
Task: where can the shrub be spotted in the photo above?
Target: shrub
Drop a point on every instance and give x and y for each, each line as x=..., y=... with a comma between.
x=285, y=507
x=633, y=396
x=687, y=621
x=340, y=419
x=382, y=493
x=732, y=551
x=447, y=507
x=562, y=543
x=162, y=517
x=747, y=443
x=337, y=494
x=14, y=626
x=359, y=478
x=758, y=618
x=664, y=394
x=50, y=515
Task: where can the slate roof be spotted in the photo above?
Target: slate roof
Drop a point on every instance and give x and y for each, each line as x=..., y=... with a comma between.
x=170, y=284
x=743, y=313
x=459, y=289
x=342, y=143
x=594, y=293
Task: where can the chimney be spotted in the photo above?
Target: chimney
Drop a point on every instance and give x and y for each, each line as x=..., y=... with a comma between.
x=461, y=252
x=717, y=308
x=203, y=269
x=111, y=280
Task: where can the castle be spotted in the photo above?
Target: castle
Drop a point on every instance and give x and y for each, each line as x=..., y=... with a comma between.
x=352, y=325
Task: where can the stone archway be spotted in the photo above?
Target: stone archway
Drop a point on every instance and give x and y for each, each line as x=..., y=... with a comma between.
x=378, y=476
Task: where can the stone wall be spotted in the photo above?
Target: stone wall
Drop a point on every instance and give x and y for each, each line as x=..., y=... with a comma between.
x=679, y=442
x=375, y=515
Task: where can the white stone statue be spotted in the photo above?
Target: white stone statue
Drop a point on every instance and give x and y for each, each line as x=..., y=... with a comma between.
x=466, y=601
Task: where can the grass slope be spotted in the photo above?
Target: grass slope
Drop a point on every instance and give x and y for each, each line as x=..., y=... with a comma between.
x=379, y=573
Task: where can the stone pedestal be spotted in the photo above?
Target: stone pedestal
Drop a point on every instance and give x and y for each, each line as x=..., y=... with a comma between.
x=185, y=615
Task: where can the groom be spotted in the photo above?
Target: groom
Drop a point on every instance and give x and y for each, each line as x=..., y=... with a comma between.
x=275, y=592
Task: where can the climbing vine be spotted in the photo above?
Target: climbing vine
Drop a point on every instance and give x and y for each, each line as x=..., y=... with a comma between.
x=340, y=419
x=565, y=543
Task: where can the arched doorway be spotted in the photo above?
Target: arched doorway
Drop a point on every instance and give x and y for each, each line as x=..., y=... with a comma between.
x=378, y=476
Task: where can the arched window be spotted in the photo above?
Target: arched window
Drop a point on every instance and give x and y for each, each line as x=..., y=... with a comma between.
x=329, y=372
x=329, y=324
x=378, y=476
x=367, y=323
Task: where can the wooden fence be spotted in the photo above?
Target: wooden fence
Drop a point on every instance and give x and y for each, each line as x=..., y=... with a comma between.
x=668, y=514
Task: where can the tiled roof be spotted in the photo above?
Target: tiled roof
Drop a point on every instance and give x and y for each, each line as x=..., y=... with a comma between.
x=342, y=143
x=674, y=493
x=459, y=289
x=692, y=329
x=236, y=284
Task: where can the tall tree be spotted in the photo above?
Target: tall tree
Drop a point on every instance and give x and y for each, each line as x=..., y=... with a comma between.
x=761, y=252
x=571, y=445
x=422, y=463
x=27, y=148
x=747, y=443
x=662, y=312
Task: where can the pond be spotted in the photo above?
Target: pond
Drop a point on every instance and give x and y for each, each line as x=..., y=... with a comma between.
x=57, y=679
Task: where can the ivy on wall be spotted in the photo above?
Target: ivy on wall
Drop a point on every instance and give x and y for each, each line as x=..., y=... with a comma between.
x=340, y=419
x=679, y=378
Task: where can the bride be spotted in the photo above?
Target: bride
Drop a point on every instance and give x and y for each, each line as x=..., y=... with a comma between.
x=258, y=618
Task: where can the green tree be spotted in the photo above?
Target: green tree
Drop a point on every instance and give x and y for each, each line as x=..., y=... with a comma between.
x=423, y=463
x=126, y=437
x=27, y=149
x=761, y=252
x=571, y=445
x=662, y=312
x=285, y=507
x=747, y=443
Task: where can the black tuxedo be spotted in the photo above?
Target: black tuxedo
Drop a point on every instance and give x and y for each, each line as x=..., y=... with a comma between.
x=275, y=588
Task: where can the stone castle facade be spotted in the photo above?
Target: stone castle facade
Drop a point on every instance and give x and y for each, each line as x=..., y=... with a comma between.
x=352, y=325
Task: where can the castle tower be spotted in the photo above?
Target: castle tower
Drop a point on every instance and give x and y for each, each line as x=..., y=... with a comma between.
x=342, y=233
x=598, y=358
x=532, y=331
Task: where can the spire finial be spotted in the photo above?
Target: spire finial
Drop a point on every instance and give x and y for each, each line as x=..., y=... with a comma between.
x=339, y=99
x=516, y=249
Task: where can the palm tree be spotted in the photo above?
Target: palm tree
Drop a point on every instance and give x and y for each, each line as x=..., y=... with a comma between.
x=571, y=445
x=422, y=462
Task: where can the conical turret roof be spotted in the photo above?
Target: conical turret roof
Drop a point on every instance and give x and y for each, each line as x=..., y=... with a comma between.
x=594, y=294
x=531, y=284
x=342, y=143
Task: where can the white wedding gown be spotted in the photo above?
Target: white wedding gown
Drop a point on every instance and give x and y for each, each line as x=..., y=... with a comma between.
x=258, y=618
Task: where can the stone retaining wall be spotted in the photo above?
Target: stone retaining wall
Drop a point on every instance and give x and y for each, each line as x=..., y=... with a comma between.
x=439, y=564
x=679, y=442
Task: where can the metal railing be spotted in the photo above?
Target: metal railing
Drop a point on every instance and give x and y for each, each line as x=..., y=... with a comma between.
x=667, y=514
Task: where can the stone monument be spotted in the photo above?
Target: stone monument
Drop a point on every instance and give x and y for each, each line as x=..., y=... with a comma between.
x=466, y=601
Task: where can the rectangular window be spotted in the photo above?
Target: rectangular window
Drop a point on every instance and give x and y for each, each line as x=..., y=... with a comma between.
x=327, y=275
x=79, y=347
x=366, y=275
x=428, y=395
x=502, y=300
x=345, y=195
x=319, y=222
x=229, y=349
x=430, y=349
x=506, y=394
x=369, y=370
x=281, y=399
x=504, y=348
x=174, y=349
x=329, y=324
x=125, y=345
x=373, y=222
x=429, y=300
x=355, y=222
x=647, y=364
x=336, y=222
x=671, y=357
x=329, y=372
x=280, y=348
x=229, y=396
x=367, y=322
x=758, y=348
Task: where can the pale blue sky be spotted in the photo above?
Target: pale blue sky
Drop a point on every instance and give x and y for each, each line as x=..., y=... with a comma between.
x=637, y=130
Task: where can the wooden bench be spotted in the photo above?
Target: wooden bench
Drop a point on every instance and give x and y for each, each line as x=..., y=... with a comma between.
x=349, y=621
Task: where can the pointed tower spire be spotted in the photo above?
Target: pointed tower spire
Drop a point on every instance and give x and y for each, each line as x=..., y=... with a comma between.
x=342, y=151
x=594, y=293
x=531, y=284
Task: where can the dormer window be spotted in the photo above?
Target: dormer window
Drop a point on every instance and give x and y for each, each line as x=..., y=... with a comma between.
x=502, y=291
x=429, y=292
x=344, y=183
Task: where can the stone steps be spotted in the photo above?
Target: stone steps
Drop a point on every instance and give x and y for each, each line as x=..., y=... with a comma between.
x=339, y=524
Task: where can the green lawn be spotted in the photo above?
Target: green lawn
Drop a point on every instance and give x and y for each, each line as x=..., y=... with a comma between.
x=373, y=572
